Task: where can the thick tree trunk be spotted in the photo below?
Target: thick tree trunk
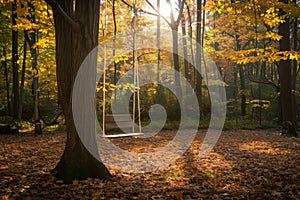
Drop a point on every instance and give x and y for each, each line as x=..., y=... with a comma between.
x=71, y=49
x=285, y=72
x=15, y=65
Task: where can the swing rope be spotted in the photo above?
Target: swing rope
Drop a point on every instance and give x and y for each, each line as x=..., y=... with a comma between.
x=104, y=81
x=136, y=94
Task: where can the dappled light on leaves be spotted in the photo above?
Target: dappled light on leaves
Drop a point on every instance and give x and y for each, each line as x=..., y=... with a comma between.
x=264, y=147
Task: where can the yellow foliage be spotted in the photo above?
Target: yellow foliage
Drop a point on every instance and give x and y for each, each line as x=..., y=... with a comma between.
x=273, y=36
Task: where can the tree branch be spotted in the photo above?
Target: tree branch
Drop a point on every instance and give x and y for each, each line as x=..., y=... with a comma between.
x=139, y=10
x=265, y=81
x=58, y=9
x=180, y=11
x=158, y=14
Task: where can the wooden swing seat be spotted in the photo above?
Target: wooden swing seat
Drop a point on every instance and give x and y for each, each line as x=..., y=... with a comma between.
x=124, y=121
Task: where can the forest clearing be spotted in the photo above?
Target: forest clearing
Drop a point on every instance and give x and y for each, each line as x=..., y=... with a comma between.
x=149, y=99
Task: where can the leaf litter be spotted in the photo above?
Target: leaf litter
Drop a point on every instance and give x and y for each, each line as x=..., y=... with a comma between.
x=244, y=164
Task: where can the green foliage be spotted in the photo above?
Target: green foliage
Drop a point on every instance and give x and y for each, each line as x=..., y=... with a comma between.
x=20, y=124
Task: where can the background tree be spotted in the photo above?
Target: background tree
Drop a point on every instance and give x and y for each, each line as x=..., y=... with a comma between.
x=285, y=72
x=15, y=64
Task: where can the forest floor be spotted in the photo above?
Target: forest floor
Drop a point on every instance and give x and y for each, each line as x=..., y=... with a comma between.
x=243, y=165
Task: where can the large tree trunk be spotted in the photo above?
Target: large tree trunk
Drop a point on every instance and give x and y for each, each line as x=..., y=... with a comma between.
x=71, y=49
x=285, y=73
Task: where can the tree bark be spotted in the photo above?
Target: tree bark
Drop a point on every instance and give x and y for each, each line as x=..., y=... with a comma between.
x=174, y=24
x=159, y=89
x=6, y=82
x=158, y=24
x=176, y=62
x=199, y=54
x=35, y=80
x=72, y=46
x=285, y=72
x=243, y=88
x=294, y=67
x=190, y=34
x=23, y=76
x=15, y=65
x=242, y=81
x=185, y=52
x=114, y=51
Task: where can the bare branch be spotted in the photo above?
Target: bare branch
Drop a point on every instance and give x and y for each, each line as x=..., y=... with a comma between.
x=58, y=9
x=265, y=81
x=171, y=12
x=180, y=11
x=158, y=14
x=139, y=10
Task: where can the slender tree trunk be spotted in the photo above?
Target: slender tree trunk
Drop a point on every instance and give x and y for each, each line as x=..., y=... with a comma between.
x=35, y=80
x=23, y=76
x=15, y=65
x=243, y=88
x=114, y=51
x=285, y=72
x=176, y=61
x=190, y=34
x=159, y=90
x=185, y=51
x=72, y=46
x=261, y=78
x=35, y=83
x=242, y=81
x=6, y=83
x=294, y=68
x=158, y=39
x=202, y=40
x=199, y=53
x=174, y=24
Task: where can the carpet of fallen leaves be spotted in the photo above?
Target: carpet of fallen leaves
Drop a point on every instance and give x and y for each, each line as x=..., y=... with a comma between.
x=243, y=165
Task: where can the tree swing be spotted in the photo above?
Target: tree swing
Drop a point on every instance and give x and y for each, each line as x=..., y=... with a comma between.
x=108, y=121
